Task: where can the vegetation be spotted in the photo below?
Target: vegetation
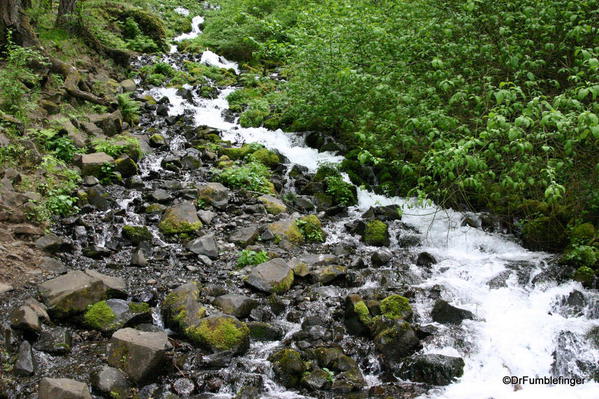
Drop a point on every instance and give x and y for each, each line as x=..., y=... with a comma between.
x=396, y=307
x=311, y=228
x=252, y=176
x=248, y=257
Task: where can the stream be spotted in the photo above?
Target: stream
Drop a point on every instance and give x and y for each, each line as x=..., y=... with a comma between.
x=524, y=324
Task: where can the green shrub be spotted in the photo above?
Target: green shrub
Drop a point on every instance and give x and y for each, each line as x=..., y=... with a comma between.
x=252, y=176
x=343, y=193
x=249, y=257
x=129, y=108
x=311, y=228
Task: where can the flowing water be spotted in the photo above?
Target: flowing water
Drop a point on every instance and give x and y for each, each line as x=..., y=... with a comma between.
x=523, y=327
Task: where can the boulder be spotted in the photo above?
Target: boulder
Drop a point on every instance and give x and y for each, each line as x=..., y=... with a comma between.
x=24, y=365
x=261, y=331
x=181, y=307
x=110, y=381
x=357, y=316
x=53, y=243
x=113, y=314
x=328, y=274
x=128, y=85
x=91, y=164
x=376, y=233
x=425, y=259
x=205, y=245
x=214, y=194
x=245, y=236
x=26, y=318
x=286, y=230
x=99, y=198
x=432, y=369
x=136, y=234
x=55, y=341
x=221, y=333
x=395, y=340
x=237, y=305
x=305, y=264
x=62, y=388
x=381, y=257
x=273, y=276
x=126, y=166
x=288, y=366
x=110, y=123
x=385, y=213
x=272, y=204
x=140, y=354
x=445, y=313
x=181, y=218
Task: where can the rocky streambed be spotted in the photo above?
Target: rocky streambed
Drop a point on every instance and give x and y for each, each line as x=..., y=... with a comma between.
x=231, y=262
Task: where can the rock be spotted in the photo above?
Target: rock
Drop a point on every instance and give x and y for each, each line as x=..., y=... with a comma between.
x=305, y=264
x=357, y=316
x=272, y=276
x=53, y=265
x=55, y=341
x=381, y=257
x=317, y=379
x=111, y=124
x=261, y=331
x=126, y=166
x=425, y=259
x=113, y=314
x=384, y=213
x=445, y=313
x=157, y=141
x=25, y=318
x=96, y=252
x=272, y=204
x=162, y=110
x=138, y=257
x=128, y=85
x=62, y=388
x=432, y=369
x=205, y=245
x=91, y=129
x=328, y=274
x=99, y=197
x=136, y=234
x=181, y=308
x=181, y=218
x=206, y=216
x=239, y=306
x=73, y=292
x=286, y=230
x=395, y=340
x=221, y=333
x=24, y=364
x=245, y=236
x=311, y=228
x=396, y=307
x=376, y=233
x=53, y=243
x=161, y=195
x=4, y=288
x=91, y=164
x=288, y=367
x=140, y=354
x=110, y=380
x=214, y=194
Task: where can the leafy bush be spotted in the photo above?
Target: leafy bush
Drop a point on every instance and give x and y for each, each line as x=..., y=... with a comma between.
x=249, y=257
x=129, y=108
x=252, y=176
x=118, y=145
x=342, y=192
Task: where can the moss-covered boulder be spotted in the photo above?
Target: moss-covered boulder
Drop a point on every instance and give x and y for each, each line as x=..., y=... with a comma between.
x=287, y=230
x=288, y=366
x=376, y=233
x=214, y=194
x=181, y=308
x=273, y=205
x=311, y=228
x=157, y=140
x=110, y=315
x=583, y=233
x=221, y=333
x=432, y=369
x=274, y=276
x=237, y=153
x=266, y=157
x=357, y=316
x=92, y=164
x=136, y=234
x=396, y=307
x=394, y=340
x=179, y=219
x=544, y=234
x=346, y=376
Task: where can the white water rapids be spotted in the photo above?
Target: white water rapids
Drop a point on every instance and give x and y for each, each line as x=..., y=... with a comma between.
x=517, y=327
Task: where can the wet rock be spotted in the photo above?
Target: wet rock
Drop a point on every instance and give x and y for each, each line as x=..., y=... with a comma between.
x=214, y=194
x=357, y=316
x=303, y=265
x=272, y=276
x=55, y=341
x=96, y=252
x=136, y=234
x=24, y=364
x=181, y=308
x=110, y=380
x=140, y=354
x=262, y=331
x=161, y=195
x=445, y=313
x=408, y=240
x=273, y=204
x=205, y=245
x=184, y=386
x=110, y=123
x=25, y=318
x=53, y=243
x=220, y=334
x=376, y=233
x=162, y=110
x=112, y=314
x=157, y=141
x=317, y=379
x=381, y=257
x=100, y=198
x=286, y=230
x=245, y=236
x=181, y=218
x=384, y=213
x=432, y=369
x=191, y=160
x=91, y=164
x=237, y=305
x=395, y=340
x=425, y=259
x=288, y=366
x=328, y=274
x=73, y=292
x=126, y=166
x=500, y=280
x=303, y=203
x=63, y=388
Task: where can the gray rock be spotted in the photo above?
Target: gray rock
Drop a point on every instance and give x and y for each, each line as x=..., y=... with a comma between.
x=445, y=313
x=126, y=166
x=261, y=331
x=111, y=124
x=181, y=218
x=396, y=341
x=237, y=305
x=273, y=204
x=425, y=259
x=381, y=257
x=206, y=216
x=24, y=365
x=100, y=198
x=56, y=341
x=303, y=265
x=181, y=308
x=432, y=369
x=125, y=314
x=53, y=243
x=25, y=318
x=53, y=265
x=161, y=195
x=140, y=354
x=215, y=194
x=109, y=379
x=327, y=274
x=5, y=288
x=63, y=388
x=317, y=379
x=91, y=164
x=272, y=276
x=245, y=236
x=128, y=85
x=138, y=257
x=205, y=245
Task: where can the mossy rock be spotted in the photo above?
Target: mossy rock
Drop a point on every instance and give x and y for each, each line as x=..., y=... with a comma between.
x=155, y=208
x=220, y=333
x=544, y=233
x=181, y=308
x=266, y=157
x=237, y=153
x=157, y=141
x=376, y=233
x=288, y=230
x=100, y=316
x=136, y=234
x=273, y=205
x=180, y=219
x=288, y=366
x=396, y=307
x=311, y=228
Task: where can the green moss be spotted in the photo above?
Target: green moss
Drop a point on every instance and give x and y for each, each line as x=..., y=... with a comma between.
x=172, y=224
x=266, y=157
x=237, y=153
x=284, y=285
x=287, y=230
x=326, y=170
x=139, y=307
x=272, y=206
x=396, y=307
x=376, y=233
x=362, y=311
x=99, y=316
x=288, y=366
x=583, y=233
x=155, y=208
x=311, y=228
x=219, y=333
x=137, y=234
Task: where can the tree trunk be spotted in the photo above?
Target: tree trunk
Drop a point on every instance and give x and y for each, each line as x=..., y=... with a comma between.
x=12, y=18
x=65, y=8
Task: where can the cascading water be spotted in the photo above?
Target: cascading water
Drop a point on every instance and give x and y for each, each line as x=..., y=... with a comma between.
x=521, y=326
